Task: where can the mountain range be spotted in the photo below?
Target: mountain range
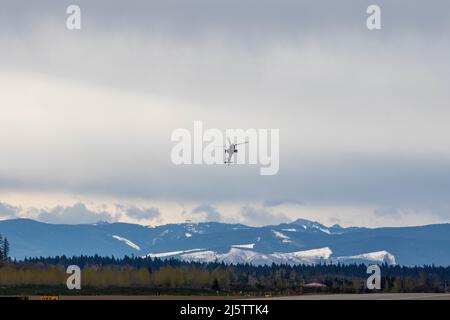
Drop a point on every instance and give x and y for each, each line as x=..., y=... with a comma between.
x=301, y=241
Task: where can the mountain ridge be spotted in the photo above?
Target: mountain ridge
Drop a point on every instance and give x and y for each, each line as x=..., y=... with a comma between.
x=412, y=245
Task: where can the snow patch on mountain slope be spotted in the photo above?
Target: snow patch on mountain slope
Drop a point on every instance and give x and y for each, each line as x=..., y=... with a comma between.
x=314, y=225
x=240, y=256
x=165, y=232
x=127, y=242
x=325, y=230
x=309, y=257
x=244, y=246
x=323, y=253
x=196, y=228
x=171, y=253
x=284, y=238
x=201, y=256
x=376, y=257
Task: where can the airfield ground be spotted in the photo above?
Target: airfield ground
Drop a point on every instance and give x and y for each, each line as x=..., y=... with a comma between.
x=372, y=296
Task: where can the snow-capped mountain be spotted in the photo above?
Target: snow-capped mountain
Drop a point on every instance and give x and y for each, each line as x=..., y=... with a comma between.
x=243, y=256
x=301, y=241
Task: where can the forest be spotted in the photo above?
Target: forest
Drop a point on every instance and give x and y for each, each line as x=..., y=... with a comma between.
x=137, y=275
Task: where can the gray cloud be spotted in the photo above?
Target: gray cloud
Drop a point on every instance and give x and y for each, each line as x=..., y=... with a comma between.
x=280, y=201
x=334, y=220
x=76, y=214
x=211, y=213
x=439, y=209
x=391, y=212
x=140, y=213
x=261, y=217
x=158, y=43
x=8, y=211
x=258, y=17
x=389, y=180
x=363, y=115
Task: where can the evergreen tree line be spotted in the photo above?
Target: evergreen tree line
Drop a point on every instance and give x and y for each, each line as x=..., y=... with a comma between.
x=345, y=270
x=4, y=248
x=137, y=272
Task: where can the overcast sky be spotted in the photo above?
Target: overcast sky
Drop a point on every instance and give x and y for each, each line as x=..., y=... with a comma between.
x=87, y=115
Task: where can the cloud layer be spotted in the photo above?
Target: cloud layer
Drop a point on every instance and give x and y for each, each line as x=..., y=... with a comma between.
x=363, y=116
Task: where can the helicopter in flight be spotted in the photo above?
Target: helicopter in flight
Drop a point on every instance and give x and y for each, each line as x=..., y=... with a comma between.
x=231, y=150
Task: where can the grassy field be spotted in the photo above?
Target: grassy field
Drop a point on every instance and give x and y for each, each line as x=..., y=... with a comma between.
x=36, y=292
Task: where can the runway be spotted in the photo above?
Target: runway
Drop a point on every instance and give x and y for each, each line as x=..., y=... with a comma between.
x=371, y=296
x=343, y=297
